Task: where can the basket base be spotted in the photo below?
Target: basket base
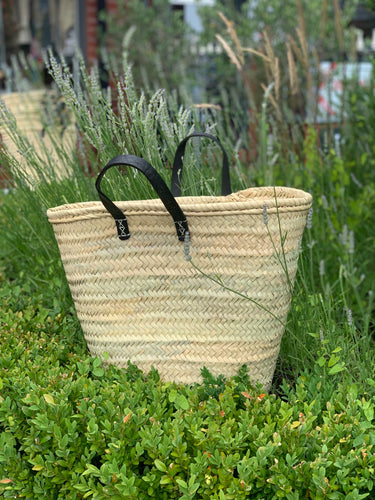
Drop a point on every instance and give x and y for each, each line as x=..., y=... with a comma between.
x=183, y=361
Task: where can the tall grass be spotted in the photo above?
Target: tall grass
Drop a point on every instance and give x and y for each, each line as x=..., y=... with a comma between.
x=333, y=304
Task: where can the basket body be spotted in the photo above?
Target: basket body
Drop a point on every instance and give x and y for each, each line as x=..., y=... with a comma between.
x=32, y=112
x=141, y=300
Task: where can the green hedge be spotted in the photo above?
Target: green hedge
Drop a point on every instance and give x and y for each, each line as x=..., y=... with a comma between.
x=71, y=429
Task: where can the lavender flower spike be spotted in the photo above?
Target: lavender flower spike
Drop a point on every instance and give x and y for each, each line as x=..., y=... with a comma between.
x=309, y=219
x=187, y=246
x=265, y=214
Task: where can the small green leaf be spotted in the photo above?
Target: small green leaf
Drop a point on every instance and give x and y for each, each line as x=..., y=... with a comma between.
x=368, y=410
x=49, y=399
x=359, y=440
x=97, y=369
x=333, y=360
x=98, y=372
x=295, y=424
x=353, y=391
x=182, y=402
x=321, y=361
x=160, y=465
x=181, y=483
x=339, y=367
x=91, y=469
x=172, y=396
x=96, y=363
x=165, y=480
x=313, y=334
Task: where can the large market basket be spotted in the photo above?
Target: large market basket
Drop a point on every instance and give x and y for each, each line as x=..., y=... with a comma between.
x=41, y=119
x=215, y=294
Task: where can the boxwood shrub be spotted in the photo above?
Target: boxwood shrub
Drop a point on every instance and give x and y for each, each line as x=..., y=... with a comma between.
x=71, y=429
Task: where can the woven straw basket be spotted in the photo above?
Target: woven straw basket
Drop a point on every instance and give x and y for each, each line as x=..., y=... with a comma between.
x=30, y=110
x=141, y=299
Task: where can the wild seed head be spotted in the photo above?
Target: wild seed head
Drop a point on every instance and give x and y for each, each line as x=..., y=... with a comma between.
x=267, y=94
x=321, y=335
x=324, y=202
x=311, y=244
x=349, y=316
x=265, y=214
x=351, y=243
x=356, y=181
x=343, y=237
x=300, y=244
x=309, y=218
x=187, y=246
x=331, y=227
x=321, y=268
x=270, y=146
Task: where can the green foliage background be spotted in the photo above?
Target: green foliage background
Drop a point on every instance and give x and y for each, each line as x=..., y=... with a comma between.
x=69, y=428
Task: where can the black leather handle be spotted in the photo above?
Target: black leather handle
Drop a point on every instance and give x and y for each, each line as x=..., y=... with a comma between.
x=157, y=183
x=178, y=163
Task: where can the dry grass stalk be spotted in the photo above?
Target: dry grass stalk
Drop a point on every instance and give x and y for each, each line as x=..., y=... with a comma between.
x=292, y=69
x=270, y=97
x=316, y=58
x=257, y=53
x=314, y=103
x=323, y=23
x=338, y=25
x=303, y=42
x=273, y=63
x=296, y=49
x=208, y=106
x=303, y=54
x=277, y=78
x=233, y=34
x=301, y=20
x=232, y=56
x=297, y=52
x=268, y=48
x=238, y=58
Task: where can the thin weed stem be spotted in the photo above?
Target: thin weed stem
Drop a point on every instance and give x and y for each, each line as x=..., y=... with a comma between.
x=218, y=281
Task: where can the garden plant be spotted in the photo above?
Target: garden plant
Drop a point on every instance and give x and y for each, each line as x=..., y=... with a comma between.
x=72, y=428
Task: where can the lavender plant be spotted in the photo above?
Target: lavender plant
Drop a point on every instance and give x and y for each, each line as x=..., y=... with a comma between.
x=106, y=123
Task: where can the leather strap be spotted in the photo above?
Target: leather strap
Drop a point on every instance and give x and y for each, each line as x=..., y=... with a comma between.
x=178, y=164
x=157, y=183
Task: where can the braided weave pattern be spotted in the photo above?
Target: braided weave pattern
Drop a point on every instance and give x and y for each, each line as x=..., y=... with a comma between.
x=29, y=112
x=141, y=300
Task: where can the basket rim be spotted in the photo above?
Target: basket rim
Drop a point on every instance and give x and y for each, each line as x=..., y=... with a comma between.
x=247, y=201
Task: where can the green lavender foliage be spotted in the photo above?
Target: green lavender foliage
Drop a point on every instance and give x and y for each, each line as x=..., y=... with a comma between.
x=148, y=127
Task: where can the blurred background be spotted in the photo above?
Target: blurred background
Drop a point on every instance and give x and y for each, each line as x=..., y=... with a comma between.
x=170, y=43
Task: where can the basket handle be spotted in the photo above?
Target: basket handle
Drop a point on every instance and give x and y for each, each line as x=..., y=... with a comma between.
x=178, y=164
x=157, y=183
